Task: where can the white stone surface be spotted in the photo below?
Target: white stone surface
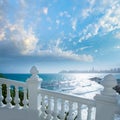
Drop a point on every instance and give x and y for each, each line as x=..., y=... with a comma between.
x=15, y=114
x=106, y=103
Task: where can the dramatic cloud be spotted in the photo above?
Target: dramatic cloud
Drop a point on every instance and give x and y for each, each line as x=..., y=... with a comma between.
x=59, y=30
x=55, y=51
x=65, y=55
x=72, y=56
x=25, y=40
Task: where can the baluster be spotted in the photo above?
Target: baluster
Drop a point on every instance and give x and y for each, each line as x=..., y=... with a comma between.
x=25, y=100
x=62, y=113
x=55, y=109
x=1, y=97
x=49, y=109
x=79, y=117
x=89, y=113
x=17, y=100
x=8, y=99
x=70, y=116
x=43, y=115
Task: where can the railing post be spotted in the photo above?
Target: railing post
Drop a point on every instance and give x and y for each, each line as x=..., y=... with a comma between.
x=34, y=83
x=106, y=102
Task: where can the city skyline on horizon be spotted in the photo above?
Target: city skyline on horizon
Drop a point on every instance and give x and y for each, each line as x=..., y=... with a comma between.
x=93, y=70
x=57, y=35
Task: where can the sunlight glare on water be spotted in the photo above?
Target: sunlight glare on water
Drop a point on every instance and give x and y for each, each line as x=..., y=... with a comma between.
x=79, y=84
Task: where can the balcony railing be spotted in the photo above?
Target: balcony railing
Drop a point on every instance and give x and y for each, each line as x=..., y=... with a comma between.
x=10, y=91
x=58, y=106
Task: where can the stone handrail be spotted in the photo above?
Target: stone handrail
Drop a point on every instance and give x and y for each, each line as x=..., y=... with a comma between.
x=12, y=82
x=71, y=97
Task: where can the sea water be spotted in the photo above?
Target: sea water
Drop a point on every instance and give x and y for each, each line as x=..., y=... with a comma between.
x=71, y=83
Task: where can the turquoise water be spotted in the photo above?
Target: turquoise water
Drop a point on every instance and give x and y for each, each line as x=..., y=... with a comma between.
x=53, y=81
x=59, y=76
x=70, y=83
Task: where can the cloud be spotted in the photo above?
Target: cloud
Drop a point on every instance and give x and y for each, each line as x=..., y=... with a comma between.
x=57, y=22
x=96, y=51
x=117, y=35
x=86, y=47
x=23, y=3
x=25, y=40
x=45, y=10
x=74, y=24
x=72, y=56
x=5, y=50
x=89, y=10
x=86, y=12
x=109, y=21
x=64, y=14
x=49, y=28
x=89, y=31
x=117, y=47
x=65, y=55
x=2, y=35
x=3, y=19
x=56, y=52
x=91, y=2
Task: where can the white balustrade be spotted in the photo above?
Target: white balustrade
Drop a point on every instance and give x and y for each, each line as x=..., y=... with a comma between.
x=89, y=112
x=25, y=100
x=55, y=109
x=49, y=108
x=70, y=114
x=60, y=112
x=10, y=84
x=17, y=99
x=58, y=106
x=79, y=117
x=43, y=107
x=8, y=99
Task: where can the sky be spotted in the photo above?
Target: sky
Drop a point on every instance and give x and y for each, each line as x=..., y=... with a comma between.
x=57, y=35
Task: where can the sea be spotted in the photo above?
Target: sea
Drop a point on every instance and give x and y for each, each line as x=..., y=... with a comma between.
x=82, y=84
